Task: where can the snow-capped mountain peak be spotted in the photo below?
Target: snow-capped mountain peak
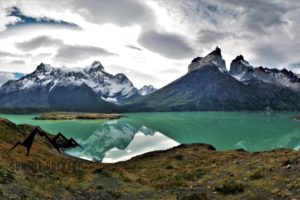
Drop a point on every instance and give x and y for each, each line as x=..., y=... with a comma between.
x=240, y=59
x=241, y=70
x=147, y=89
x=214, y=58
x=96, y=65
x=216, y=52
x=108, y=87
x=42, y=67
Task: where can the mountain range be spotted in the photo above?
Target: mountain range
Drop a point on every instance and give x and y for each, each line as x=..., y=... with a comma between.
x=79, y=89
x=207, y=85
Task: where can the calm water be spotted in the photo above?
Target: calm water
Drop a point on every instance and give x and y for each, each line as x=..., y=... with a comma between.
x=137, y=133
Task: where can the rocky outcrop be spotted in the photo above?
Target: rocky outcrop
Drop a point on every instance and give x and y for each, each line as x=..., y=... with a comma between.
x=239, y=66
x=213, y=58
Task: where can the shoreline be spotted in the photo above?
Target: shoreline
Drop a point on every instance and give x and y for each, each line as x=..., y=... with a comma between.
x=73, y=116
x=46, y=110
x=182, y=146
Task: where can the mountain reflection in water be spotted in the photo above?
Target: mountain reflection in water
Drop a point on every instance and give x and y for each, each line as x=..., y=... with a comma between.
x=119, y=140
x=139, y=133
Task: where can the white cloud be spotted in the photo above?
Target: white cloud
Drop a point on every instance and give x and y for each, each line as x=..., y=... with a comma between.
x=4, y=19
x=38, y=42
x=121, y=13
x=5, y=76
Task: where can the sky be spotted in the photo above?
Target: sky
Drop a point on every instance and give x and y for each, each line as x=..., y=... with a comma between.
x=150, y=41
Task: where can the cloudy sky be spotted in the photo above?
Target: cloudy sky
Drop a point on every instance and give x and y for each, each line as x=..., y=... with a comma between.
x=151, y=41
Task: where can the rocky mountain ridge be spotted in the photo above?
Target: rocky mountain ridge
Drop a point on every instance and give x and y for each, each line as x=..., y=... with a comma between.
x=68, y=88
x=208, y=86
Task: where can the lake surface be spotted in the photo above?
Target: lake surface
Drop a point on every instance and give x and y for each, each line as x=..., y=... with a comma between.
x=137, y=133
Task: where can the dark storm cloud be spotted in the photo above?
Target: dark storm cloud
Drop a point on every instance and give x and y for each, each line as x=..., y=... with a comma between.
x=210, y=36
x=166, y=44
x=269, y=56
x=38, y=42
x=253, y=17
x=267, y=25
x=265, y=30
x=121, y=13
x=79, y=52
x=28, y=20
x=259, y=16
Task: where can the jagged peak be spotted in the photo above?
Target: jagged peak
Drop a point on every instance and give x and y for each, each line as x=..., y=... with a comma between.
x=239, y=66
x=214, y=58
x=285, y=70
x=121, y=76
x=216, y=52
x=43, y=67
x=197, y=59
x=261, y=68
x=96, y=65
x=289, y=73
x=147, y=89
x=238, y=58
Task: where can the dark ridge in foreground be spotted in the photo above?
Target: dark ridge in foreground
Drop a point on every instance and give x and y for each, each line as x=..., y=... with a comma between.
x=195, y=171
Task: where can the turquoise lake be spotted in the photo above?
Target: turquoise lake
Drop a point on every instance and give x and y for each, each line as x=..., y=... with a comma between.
x=137, y=133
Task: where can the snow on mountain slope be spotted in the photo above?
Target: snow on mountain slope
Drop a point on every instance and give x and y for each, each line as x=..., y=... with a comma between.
x=147, y=89
x=213, y=58
x=117, y=89
x=207, y=87
x=244, y=72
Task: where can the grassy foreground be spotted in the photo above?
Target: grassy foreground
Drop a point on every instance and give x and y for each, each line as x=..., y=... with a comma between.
x=185, y=172
x=71, y=116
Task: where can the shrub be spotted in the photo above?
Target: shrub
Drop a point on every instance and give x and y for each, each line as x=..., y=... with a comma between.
x=231, y=187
